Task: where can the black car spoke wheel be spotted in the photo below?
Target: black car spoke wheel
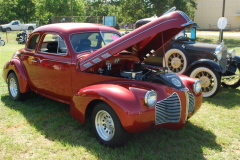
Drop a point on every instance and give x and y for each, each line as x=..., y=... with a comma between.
x=176, y=61
x=13, y=87
x=233, y=83
x=210, y=80
x=107, y=126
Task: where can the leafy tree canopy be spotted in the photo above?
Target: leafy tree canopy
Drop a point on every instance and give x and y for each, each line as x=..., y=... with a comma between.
x=126, y=10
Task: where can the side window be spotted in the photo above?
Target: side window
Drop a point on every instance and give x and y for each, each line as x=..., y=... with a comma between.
x=109, y=37
x=54, y=44
x=15, y=23
x=32, y=42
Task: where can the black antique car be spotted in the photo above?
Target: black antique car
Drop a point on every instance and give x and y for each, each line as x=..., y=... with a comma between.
x=213, y=64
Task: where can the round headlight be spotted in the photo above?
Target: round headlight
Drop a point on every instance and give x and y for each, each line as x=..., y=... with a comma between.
x=197, y=86
x=150, y=98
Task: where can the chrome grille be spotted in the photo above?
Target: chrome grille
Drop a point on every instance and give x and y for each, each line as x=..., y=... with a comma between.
x=191, y=102
x=168, y=110
x=223, y=61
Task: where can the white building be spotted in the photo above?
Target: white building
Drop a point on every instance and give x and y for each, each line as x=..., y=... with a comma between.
x=209, y=11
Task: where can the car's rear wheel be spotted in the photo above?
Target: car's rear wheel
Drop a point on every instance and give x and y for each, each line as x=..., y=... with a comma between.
x=176, y=60
x=107, y=126
x=233, y=83
x=13, y=87
x=30, y=28
x=210, y=80
x=8, y=29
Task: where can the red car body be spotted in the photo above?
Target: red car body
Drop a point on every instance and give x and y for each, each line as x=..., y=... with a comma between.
x=112, y=74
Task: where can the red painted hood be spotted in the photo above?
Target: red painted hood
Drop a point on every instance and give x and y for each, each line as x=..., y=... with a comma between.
x=143, y=41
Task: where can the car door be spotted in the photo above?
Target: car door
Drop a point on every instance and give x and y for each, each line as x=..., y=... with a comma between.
x=16, y=26
x=49, y=68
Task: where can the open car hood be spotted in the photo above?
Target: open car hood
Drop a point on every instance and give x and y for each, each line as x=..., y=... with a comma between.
x=144, y=41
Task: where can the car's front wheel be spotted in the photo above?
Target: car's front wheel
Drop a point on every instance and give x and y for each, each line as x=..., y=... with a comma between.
x=210, y=80
x=13, y=87
x=107, y=126
x=233, y=83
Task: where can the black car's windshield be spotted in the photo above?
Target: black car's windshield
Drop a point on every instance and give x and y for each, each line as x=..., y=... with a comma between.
x=91, y=40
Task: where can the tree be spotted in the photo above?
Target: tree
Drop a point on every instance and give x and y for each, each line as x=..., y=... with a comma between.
x=125, y=10
x=25, y=9
x=6, y=11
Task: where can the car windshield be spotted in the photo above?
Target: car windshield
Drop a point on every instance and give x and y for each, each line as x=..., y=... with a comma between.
x=91, y=40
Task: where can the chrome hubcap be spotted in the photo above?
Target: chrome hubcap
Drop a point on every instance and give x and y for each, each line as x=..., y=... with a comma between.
x=104, y=125
x=13, y=87
x=175, y=62
x=206, y=80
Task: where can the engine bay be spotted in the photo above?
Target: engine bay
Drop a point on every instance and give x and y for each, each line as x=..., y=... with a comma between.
x=129, y=66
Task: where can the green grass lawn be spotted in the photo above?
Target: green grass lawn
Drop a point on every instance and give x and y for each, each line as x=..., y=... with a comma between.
x=40, y=128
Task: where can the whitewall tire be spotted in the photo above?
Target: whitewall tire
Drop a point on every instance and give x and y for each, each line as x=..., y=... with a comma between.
x=176, y=61
x=210, y=80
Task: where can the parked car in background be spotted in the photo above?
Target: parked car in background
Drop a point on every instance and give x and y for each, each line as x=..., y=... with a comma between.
x=101, y=76
x=16, y=25
x=211, y=63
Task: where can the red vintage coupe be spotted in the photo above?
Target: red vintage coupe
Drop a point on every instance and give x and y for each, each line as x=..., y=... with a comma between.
x=102, y=76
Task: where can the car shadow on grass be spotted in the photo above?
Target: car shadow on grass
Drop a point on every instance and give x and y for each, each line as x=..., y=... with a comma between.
x=226, y=97
x=53, y=120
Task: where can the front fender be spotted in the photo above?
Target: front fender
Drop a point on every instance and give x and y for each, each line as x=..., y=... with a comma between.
x=203, y=62
x=237, y=59
x=126, y=100
x=16, y=66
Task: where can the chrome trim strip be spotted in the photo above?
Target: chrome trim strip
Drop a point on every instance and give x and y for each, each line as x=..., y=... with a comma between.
x=191, y=102
x=187, y=104
x=41, y=60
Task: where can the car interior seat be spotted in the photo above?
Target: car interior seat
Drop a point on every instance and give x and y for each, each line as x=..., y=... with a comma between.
x=85, y=44
x=52, y=47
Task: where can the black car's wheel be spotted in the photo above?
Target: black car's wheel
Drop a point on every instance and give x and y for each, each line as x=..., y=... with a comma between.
x=13, y=87
x=176, y=60
x=107, y=126
x=2, y=43
x=210, y=80
x=233, y=83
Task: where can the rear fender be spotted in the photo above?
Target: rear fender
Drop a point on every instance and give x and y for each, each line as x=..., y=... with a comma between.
x=15, y=66
x=204, y=62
